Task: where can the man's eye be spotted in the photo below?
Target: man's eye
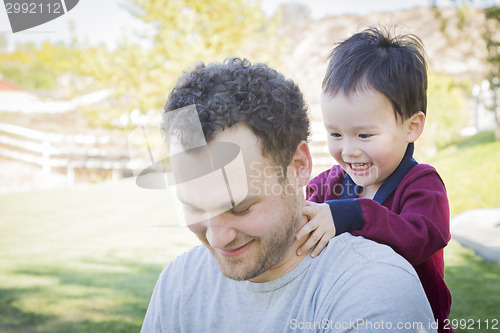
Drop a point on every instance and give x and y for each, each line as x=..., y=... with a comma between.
x=240, y=212
x=194, y=210
x=365, y=136
x=335, y=135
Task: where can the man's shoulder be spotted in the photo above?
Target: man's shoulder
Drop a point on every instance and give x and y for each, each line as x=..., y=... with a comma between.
x=372, y=274
x=194, y=257
x=199, y=251
x=197, y=261
x=363, y=268
x=355, y=253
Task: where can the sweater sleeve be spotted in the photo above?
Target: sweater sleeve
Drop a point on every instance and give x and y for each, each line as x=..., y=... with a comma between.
x=419, y=228
x=347, y=215
x=316, y=188
x=326, y=186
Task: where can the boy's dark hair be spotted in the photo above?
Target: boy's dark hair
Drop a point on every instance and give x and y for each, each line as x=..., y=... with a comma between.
x=374, y=58
x=254, y=94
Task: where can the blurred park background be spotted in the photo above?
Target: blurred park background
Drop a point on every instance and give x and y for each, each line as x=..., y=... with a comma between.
x=81, y=245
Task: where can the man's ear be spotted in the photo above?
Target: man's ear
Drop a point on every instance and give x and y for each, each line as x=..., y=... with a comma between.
x=301, y=164
x=415, y=126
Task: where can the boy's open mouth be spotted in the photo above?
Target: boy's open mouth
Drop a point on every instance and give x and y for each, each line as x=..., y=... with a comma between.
x=359, y=166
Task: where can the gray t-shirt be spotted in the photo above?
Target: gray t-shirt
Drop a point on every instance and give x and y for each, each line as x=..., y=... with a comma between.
x=355, y=284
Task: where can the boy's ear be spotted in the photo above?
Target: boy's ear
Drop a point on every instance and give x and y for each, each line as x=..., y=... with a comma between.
x=301, y=164
x=415, y=126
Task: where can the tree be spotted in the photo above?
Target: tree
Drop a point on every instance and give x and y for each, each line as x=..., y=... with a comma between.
x=36, y=68
x=445, y=113
x=185, y=32
x=491, y=36
x=3, y=43
x=492, y=39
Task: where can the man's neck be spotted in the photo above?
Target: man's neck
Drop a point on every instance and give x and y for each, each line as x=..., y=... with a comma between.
x=289, y=261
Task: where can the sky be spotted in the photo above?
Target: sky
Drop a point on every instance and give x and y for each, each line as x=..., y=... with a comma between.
x=106, y=21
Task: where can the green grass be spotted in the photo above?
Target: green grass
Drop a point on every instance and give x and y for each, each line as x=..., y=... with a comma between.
x=86, y=259
x=471, y=172
x=475, y=286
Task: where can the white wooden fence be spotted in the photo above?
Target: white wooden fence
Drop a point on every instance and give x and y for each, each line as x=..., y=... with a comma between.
x=319, y=147
x=83, y=151
x=68, y=151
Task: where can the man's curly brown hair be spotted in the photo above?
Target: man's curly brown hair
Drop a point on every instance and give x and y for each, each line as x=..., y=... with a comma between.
x=235, y=91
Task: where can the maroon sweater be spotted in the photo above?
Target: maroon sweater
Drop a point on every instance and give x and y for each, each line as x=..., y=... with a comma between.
x=409, y=212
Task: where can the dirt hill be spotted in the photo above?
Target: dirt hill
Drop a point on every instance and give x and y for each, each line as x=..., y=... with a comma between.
x=458, y=52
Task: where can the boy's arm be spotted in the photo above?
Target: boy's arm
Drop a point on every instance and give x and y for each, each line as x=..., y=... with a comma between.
x=320, y=229
x=419, y=230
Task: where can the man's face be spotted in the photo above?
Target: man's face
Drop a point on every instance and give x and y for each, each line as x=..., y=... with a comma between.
x=252, y=238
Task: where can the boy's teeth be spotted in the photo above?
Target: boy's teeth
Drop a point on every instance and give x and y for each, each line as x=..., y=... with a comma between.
x=359, y=165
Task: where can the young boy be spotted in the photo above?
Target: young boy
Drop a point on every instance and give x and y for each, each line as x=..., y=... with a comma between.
x=373, y=104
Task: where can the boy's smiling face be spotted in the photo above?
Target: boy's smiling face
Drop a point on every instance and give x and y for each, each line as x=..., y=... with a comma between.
x=365, y=137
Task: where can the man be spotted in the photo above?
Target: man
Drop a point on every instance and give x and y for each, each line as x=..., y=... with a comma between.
x=247, y=276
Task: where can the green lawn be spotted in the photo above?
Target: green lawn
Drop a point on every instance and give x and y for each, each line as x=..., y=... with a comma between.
x=471, y=172
x=86, y=259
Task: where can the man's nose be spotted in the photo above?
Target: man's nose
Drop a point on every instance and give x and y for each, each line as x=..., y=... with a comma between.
x=219, y=232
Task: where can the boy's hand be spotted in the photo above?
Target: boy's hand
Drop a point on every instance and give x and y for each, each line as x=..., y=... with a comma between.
x=320, y=228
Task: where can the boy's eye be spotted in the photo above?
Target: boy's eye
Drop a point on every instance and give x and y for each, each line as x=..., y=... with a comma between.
x=365, y=136
x=335, y=135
